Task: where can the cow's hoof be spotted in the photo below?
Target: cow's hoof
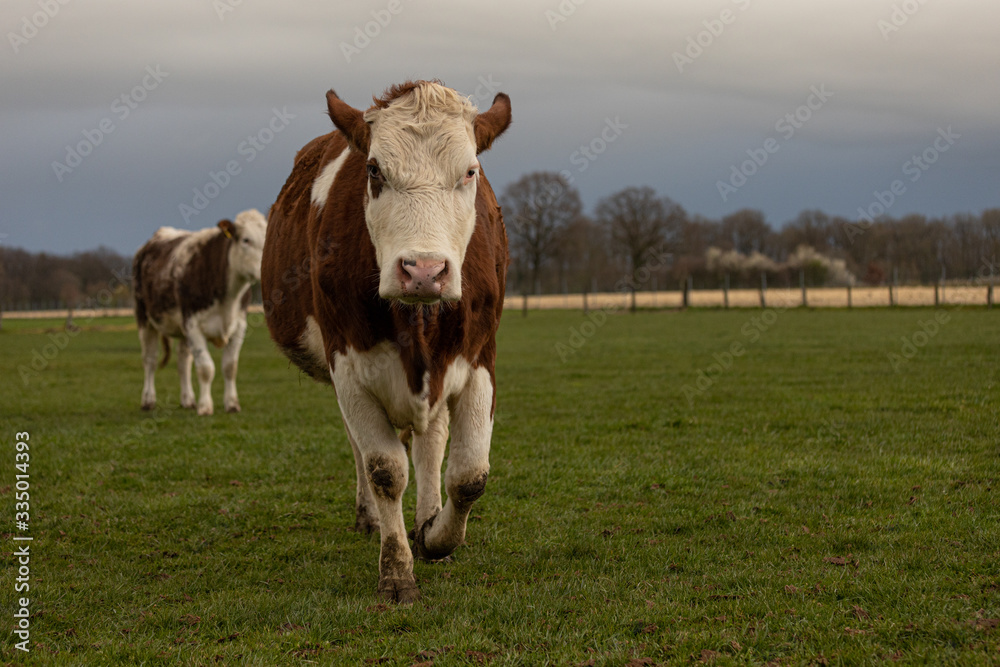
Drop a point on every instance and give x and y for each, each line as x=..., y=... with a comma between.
x=205, y=409
x=420, y=549
x=400, y=591
x=365, y=521
x=148, y=406
x=235, y=407
x=188, y=403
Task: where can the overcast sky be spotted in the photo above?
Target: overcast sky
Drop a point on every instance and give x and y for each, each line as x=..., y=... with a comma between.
x=114, y=114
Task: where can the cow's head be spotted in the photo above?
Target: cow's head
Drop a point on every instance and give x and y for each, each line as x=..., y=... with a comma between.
x=247, y=234
x=421, y=141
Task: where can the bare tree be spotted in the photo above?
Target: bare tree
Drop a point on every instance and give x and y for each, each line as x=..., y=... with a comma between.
x=746, y=231
x=639, y=222
x=538, y=207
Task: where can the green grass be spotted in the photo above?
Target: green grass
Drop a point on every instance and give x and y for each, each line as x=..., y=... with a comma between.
x=812, y=504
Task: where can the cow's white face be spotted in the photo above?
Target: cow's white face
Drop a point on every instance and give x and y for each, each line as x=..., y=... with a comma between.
x=420, y=204
x=247, y=232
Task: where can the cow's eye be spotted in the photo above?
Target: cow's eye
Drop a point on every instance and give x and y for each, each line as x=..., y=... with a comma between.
x=470, y=175
x=373, y=171
x=245, y=240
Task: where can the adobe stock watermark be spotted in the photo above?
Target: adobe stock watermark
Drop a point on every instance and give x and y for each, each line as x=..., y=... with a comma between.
x=899, y=16
x=223, y=7
x=248, y=149
x=121, y=108
x=656, y=258
x=485, y=91
x=786, y=127
x=364, y=34
x=42, y=356
x=698, y=43
x=927, y=330
x=30, y=25
x=752, y=331
x=561, y=13
x=914, y=169
x=588, y=153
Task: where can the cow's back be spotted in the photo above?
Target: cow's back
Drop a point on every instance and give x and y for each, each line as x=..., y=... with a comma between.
x=285, y=270
x=153, y=291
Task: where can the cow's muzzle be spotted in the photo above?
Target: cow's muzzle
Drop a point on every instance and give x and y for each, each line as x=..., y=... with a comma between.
x=422, y=279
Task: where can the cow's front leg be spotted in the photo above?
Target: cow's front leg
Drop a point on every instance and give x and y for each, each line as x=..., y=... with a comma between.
x=468, y=468
x=230, y=362
x=386, y=469
x=204, y=366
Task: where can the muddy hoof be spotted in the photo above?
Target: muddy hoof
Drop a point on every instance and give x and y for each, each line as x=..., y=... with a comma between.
x=400, y=591
x=420, y=549
x=365, y=522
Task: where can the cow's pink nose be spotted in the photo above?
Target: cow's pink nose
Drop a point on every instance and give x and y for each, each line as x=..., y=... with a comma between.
x=423, y=278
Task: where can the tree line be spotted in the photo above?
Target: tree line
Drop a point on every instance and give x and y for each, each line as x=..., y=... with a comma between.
x=556, y=247
x=634, y=238
x=38, y=281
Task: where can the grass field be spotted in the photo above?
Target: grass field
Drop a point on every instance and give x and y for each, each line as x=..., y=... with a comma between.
x=722, y=487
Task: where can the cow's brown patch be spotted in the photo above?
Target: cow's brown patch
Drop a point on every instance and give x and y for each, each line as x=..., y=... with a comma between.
x=375, y=178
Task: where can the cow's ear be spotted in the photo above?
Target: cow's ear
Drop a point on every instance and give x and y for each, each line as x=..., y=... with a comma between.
x=350, y=121
x=228, y=228
x=492, y=123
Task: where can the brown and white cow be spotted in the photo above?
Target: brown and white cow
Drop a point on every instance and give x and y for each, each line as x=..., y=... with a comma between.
x=384, y=272
x=195, y=286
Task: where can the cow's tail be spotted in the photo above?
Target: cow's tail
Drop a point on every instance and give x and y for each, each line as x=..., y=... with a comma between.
x=165, y=342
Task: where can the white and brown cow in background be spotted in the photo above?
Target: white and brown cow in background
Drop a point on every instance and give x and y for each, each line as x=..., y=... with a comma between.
x=195, y=286
x=384, y=272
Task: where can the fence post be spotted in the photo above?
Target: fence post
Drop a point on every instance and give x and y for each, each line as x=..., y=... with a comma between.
x=763, y=290
x=585, y=309
x=989, y=290
x=849, y=304
x=725, y=292
x=802, y=284
x=937, y=300
x=524, y=304
x=685, y=288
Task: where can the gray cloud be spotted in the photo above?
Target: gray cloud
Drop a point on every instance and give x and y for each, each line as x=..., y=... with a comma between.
x=685, y=129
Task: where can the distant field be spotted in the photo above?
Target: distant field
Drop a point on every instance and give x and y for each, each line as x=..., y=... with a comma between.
x=723, y=487
x=816, y=297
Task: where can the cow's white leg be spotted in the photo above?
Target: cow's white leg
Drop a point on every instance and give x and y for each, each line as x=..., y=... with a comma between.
x=365, y=512
x=387, y=469
x=205, y=368
x=184, y=359
x=149, y=339
x=468, y=468
x=428, y=453
x=230, y=362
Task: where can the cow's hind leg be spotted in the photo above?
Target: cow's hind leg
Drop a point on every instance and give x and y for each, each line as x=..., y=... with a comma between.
x=365, y=512
x=428, y=454
x=149, y=339
x=468, y=469
x=230, y=361
x=184, y=359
